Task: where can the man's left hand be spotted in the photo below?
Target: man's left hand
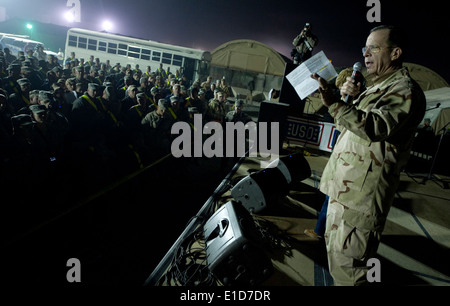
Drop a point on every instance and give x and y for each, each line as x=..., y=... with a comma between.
x=326, y=94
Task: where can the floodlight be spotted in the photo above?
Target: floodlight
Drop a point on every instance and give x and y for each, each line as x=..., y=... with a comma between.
x=107, y=25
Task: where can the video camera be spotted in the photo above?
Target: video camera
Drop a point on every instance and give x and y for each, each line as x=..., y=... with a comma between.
x=307, y=28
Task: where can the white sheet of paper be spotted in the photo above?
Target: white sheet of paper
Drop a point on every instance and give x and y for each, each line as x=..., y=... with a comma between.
x=300, y=77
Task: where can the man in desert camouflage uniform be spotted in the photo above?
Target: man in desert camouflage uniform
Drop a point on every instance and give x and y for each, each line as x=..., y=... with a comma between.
x=216, y=108
x=363, y=172
x=304, y=44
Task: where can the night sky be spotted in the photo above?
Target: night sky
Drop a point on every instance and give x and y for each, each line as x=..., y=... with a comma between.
x=341, y=26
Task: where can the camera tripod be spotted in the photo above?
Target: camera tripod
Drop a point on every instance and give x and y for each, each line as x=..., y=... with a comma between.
x=430, y=175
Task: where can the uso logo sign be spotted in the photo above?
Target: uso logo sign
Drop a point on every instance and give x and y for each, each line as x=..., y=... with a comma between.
x=311, y=133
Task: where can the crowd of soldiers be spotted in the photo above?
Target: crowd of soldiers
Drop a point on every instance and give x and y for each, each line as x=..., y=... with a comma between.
x=92, y=122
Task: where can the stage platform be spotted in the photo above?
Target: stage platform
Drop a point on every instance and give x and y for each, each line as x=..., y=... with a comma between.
x=121, y=233
x=414, y=249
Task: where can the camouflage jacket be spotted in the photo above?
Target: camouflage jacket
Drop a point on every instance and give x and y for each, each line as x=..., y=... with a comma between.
x=301, y=46
x=161, y=123
x=215, y=111
x=232, y=116
x=377, y=131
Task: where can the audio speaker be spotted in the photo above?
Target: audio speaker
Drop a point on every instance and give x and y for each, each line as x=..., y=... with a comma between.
x=262, y=189
x=271, y=112
x=293, y=166
x=233, y=247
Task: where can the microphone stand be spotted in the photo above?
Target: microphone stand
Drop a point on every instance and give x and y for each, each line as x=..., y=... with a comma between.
x=430, y=174
x=198, y=220
x=434, y=107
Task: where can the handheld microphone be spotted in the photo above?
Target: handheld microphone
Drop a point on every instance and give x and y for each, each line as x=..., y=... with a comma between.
x=356, y=75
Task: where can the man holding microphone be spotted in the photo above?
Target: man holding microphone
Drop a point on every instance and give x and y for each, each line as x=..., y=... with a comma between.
x=363, y=172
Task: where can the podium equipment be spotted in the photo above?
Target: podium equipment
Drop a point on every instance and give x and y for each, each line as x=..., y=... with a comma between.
x=263, y=188
x=233, y=247
x=260, y=189
x=293, y=166
x=272, y=112
x=443, y=131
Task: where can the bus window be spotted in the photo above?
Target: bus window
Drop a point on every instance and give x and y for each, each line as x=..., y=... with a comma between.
x=177, y=60
x=82, y=42
x=156, y=56
x=167, y=58
x=203, y=68
x=92, y=44
x=122, y=49
x=102, y=46
x=16, y=44
x=145, y=54
x=134, y=52
x=189, y=67
x=112, y=48
x=72, y=41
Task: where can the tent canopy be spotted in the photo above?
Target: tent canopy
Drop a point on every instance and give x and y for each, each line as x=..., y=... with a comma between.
x=439, y=115
x=425, y=77
x=248, y=55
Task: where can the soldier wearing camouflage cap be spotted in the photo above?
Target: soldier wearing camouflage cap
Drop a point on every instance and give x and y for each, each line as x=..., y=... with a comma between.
x=237, y=114
x=10, y=82
x=21, y=99
x=156, y=126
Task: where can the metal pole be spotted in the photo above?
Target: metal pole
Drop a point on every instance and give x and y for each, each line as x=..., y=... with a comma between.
x=198, y=219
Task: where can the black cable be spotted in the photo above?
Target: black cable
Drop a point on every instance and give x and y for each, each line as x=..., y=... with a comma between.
x=188, y=267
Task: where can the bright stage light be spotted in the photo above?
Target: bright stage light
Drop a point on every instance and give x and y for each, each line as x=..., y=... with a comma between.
x=107, y=25
x=69, y=16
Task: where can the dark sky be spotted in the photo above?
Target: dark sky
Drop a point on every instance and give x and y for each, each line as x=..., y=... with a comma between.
x=342, y=26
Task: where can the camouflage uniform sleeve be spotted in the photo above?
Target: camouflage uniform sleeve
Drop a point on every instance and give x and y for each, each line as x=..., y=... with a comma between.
x=146, y=119
x=378, y=128
x=379, y=112
x=296, y=40
x=312, y=40
x=229, y=116
x=151, y=120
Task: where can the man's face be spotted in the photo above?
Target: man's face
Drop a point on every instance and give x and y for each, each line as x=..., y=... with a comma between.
x=161, y=111
x=40, y=117
x=377, y=56
x=25, y=88
x=79, y=73
x=175, y=105
x=92, y=92
x=132, y=93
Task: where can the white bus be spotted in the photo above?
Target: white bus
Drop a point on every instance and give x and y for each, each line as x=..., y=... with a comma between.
x=17, y=43
x=125, y=50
